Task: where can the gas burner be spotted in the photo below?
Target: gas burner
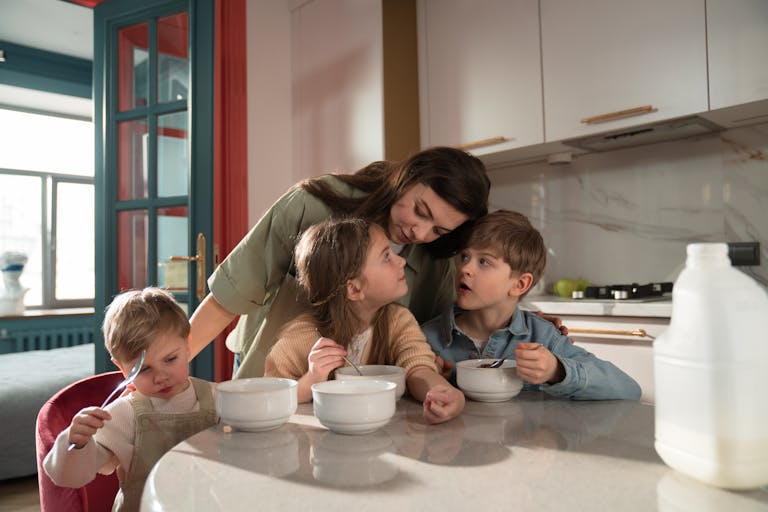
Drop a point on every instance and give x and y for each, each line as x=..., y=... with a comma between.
x=627, y=291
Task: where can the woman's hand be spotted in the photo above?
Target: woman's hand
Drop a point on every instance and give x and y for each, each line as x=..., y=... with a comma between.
x=85, y=424
x=556, y=321
x=442, y=403
x=537, y=365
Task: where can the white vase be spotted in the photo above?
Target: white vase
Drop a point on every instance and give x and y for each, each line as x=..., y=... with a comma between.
x=12, y=298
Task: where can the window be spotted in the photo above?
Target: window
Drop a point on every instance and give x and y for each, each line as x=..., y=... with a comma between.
x=47, y=204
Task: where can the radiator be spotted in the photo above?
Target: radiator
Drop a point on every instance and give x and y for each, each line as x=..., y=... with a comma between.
x=45, y=339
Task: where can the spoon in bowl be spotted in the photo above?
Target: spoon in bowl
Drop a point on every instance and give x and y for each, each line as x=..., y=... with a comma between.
x=130, y=378
x=495, y=364
x=353, y=365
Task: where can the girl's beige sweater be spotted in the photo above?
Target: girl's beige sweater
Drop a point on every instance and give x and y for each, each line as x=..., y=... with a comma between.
x=407, y=345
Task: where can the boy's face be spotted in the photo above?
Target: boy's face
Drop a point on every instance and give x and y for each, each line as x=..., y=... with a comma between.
x=485, y=280
x=165, y=372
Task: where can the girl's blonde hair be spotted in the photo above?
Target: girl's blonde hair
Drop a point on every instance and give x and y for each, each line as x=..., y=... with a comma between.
x=327, y=256
x=136, y=317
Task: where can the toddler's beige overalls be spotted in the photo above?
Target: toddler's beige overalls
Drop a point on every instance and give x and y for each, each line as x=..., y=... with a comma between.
x=156, y=433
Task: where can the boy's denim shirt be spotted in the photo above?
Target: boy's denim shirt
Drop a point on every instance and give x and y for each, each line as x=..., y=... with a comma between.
x=586, y=376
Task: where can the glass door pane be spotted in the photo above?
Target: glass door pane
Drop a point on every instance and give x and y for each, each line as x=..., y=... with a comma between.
x=172, y=240
x=133, y=66
x=172, y=155
x=172, y=58
x=133, y=229
x=132, y=163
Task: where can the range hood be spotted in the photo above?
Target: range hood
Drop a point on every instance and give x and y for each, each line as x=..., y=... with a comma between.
x=646, y=134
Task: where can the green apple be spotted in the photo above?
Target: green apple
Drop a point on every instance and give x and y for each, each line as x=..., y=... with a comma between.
x=564, y=287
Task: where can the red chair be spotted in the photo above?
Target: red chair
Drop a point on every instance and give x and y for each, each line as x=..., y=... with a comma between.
x=55, y=416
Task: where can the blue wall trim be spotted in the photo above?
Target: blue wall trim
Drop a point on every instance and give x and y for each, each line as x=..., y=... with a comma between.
x=45, y=71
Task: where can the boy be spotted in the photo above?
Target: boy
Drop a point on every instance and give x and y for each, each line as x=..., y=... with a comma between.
x=501, y=259
x=133, y=432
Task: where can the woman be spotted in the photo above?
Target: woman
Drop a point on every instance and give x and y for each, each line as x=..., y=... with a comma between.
x=418, y=202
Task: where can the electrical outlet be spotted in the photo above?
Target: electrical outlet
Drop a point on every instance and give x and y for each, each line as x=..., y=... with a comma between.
x=744, y=254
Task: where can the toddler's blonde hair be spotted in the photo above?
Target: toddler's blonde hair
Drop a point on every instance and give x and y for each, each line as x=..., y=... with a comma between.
x=136, y=317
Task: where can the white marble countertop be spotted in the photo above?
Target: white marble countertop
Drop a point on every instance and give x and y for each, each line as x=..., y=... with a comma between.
x=661, y=308
x=530, y=453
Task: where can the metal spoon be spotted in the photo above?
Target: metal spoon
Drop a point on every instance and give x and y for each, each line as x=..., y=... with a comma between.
x=130, y=378
x=495, y=364
x=353, y=365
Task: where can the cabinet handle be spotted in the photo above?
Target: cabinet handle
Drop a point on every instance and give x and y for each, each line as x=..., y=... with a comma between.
x=640, y=333
x=621, y=114
x=481, y=143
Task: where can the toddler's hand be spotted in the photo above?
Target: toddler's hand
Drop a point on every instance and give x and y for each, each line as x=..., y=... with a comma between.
x=324, y=357
x=444, y=368
x=85, y=424
x=536, y=364
x=442, y=403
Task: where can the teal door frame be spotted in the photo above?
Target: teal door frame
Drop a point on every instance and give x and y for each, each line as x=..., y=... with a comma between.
x=109, y=17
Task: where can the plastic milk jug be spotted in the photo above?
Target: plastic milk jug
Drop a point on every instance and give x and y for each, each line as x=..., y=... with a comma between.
x=711, y=371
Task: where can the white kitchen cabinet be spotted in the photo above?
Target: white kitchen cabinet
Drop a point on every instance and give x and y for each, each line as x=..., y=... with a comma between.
x=341, y=99
x=631, y=353
x=601, y=57
x=737, y=41
x=480, y=74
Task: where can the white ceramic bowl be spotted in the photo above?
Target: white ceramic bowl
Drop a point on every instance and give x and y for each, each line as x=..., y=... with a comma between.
x=488, y=384
x=354, y=406
x=256, y=404
x=375, y=372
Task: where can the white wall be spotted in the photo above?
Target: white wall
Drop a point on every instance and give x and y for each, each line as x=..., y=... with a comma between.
x=270, y=163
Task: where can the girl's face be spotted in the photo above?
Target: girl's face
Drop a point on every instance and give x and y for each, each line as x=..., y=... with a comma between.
x=483, y=279
x=165, y=372
x=421, y=216
x=382, y=278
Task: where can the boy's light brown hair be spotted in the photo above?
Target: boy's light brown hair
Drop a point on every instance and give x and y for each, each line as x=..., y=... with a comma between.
x=136, y=317
x=511, y=237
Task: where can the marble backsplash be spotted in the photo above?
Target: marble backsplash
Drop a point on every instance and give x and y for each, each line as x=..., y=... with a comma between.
x=627, y=215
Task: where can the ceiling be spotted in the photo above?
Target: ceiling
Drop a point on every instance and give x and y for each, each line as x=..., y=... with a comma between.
x=51, y=25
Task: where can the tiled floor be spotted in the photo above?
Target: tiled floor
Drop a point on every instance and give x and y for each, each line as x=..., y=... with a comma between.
x=19, y=495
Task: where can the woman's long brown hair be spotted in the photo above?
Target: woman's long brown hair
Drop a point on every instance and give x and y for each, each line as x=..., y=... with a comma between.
x=456, y=176
x=328, y=255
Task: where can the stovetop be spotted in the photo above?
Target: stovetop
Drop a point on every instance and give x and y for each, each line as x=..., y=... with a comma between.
x=625, y=292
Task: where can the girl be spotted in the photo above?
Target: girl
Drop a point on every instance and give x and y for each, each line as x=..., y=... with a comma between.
x=352, y=277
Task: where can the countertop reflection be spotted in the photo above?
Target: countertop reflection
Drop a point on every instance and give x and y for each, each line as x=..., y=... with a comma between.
x=532, y=452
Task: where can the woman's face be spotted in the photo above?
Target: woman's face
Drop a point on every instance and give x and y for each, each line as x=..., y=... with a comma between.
x=421, y=216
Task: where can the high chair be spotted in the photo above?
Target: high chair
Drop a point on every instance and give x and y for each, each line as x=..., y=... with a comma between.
x=56, y=415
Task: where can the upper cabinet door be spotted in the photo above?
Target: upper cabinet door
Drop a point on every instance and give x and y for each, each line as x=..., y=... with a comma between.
x=610, y=64
x=737, y=39
x=480, y=74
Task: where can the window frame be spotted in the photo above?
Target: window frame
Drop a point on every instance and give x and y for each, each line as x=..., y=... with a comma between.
x=48, y=182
